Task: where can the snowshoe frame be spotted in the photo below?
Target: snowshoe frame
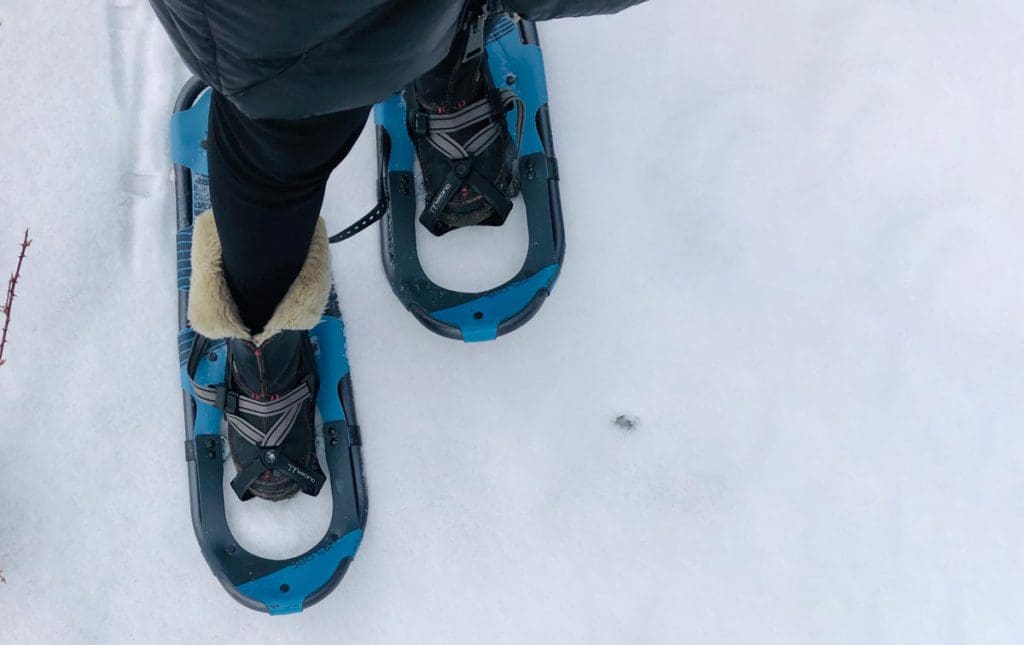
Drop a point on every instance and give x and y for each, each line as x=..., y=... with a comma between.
x=273, y=586
x=516, y=64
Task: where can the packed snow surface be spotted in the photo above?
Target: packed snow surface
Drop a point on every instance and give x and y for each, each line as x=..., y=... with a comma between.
x=793, y=263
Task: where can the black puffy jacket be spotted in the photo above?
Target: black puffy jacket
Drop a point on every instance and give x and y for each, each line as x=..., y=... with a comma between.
x=289, y=59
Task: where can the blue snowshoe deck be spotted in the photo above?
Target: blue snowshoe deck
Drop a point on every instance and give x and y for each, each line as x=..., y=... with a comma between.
x=274, y=586
x=517, y=65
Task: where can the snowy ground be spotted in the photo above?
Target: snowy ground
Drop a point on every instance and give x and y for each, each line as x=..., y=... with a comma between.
x=794, y=256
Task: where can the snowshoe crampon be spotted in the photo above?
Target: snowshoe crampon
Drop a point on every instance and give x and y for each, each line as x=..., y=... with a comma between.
x=274, y=586
x=517, y=68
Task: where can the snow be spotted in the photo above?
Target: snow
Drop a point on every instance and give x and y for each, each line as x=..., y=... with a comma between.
x=793, y=235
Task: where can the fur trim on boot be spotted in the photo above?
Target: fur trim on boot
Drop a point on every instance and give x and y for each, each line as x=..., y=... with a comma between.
x=211, y=309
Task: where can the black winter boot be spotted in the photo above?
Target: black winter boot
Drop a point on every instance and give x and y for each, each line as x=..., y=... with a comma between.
x=271, y=430
x=270, y=388
x=457, y=121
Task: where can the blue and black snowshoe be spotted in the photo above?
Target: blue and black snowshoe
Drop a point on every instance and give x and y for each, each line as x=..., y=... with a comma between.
x=478, y=126
x=257, y=397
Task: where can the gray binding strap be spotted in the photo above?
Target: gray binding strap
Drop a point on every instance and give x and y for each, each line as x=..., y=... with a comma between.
x=286, y=408
x=469, y=115
x=447, y=146
x=440, y=126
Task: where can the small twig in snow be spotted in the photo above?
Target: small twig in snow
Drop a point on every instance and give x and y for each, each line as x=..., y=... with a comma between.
x=11, y=284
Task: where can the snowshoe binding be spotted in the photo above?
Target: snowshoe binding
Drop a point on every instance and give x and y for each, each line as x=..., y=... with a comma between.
x=478, y=124
x=269, y=406
x=456, y=116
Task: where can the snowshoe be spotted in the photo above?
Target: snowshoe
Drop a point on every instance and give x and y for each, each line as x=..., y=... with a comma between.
x=471, y=170
x=265, y=390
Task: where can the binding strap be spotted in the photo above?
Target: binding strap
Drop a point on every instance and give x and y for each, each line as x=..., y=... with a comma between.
x=363, y=222
x=377, y=212
x=310, y=481
x=283, y=411
x=437, y=129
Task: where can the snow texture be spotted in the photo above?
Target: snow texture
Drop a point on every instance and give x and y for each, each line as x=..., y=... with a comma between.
x=794, y=235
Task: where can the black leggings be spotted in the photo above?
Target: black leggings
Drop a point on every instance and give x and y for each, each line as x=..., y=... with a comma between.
x=267, y=181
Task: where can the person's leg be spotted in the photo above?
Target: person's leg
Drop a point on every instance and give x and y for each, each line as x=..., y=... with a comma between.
x=260, y=279
x=267, y=181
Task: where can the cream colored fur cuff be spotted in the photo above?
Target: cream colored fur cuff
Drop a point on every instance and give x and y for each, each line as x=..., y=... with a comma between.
x=211, y=309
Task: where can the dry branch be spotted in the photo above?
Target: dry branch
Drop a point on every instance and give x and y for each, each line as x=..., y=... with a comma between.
x=9, y=303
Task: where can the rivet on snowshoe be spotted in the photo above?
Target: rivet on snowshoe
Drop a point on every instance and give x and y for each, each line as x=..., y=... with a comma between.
x=212, y=454
x=334, y=442
x=230, y=549
x=510, y=79
x=212, y=356
x=331, y=431
x=208, y=443
x=270, y=457
x=462, y=169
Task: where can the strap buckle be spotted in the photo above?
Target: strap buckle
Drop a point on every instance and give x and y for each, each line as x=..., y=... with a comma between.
x=226, y=400
x=475, y=42
x=421, y=124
